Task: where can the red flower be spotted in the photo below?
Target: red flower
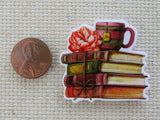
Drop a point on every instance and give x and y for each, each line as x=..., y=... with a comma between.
x=84, y=40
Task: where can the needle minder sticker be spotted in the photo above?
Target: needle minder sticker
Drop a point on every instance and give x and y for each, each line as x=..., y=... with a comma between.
x=100, y=64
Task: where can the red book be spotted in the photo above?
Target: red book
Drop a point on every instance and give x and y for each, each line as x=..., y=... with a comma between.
x=105, y=79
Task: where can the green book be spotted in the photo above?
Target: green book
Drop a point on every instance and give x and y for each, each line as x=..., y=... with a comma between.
x=99, y=66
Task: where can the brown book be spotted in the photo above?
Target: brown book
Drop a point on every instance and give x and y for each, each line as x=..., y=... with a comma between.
x=110, y=56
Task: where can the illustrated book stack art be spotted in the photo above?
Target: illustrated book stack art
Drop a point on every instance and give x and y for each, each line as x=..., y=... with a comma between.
x=97, y=68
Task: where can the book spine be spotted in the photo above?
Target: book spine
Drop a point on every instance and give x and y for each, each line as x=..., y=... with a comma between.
x=79, y=57
x=96, y=92
x=94, y=79
x=68, y=80
x=78, y=68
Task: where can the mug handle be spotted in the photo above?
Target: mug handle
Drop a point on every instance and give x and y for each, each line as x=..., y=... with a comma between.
x=131, y=38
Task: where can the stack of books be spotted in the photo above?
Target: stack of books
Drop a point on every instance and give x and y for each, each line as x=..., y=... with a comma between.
x=108, y=75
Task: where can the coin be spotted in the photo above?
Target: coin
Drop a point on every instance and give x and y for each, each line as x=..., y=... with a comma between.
x=31, y=58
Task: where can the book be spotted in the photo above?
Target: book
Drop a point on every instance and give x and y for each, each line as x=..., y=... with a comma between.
x=99, y=66
x=105, y=79
x=110, y=56
x=108, y=92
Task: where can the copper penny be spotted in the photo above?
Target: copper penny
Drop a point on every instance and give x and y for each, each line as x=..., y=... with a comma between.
x=31, y=58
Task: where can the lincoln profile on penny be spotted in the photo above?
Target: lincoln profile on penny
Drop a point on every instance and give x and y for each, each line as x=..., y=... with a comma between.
x=31, y=64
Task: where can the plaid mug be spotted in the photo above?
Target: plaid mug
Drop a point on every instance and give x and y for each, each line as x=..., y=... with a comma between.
x=112, y=34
